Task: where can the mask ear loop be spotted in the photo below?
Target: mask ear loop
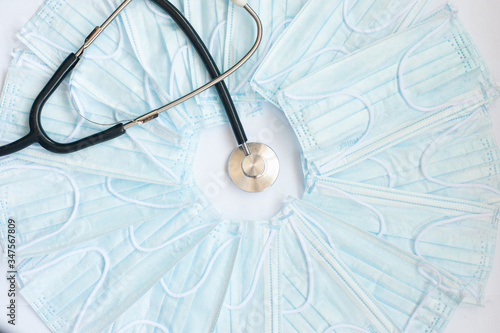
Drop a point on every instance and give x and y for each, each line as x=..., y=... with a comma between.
x=265, y=249
x=352, y=327
x=77, y=107
x=252, y=70
x=416, y=244
x=317, y=225
x=381, y=27
x=401, y=83
x=141, y=203
x=157, y=162
x=175, y=137
x=46, y=70
x=383, y=226
x=138, y=247
x=156, y=11
x=309, y=269
x=302, y=62
x=143, y=322
x=205, y=275
x=371, y=114
x=175, y=60
x=432, y=146
x=387, y=168
x=96, y=287
x=438, y=285
x=76, y=203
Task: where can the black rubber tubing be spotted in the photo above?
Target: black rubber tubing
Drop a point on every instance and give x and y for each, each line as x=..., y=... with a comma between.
x=213, y=70
x=37, y=134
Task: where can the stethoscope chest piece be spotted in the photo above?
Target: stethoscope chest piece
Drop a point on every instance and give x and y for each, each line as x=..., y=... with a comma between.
x=254, y=170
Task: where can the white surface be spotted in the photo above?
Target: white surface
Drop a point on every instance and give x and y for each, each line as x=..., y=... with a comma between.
x=481, y=19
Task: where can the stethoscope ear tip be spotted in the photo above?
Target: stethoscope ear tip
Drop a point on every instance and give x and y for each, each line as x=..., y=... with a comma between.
x=255, y=170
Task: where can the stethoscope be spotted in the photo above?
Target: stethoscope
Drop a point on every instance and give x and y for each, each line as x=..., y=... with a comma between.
x=252, y=166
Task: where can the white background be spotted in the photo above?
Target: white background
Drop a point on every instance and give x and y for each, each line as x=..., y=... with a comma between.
x=482, y=19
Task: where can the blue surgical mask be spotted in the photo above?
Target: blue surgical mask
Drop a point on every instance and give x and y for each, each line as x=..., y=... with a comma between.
x=87, y=287
x=376, y=104
x=57, y=208
x=153, y=153
x=189, y=297
x=458, y=159
x=275, y=16
x=456, y=235
x=252, y=302
x=307, y=264
x=326, y=31
x=416, y=295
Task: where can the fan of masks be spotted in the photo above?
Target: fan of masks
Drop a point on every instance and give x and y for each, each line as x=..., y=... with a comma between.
x=397, y=226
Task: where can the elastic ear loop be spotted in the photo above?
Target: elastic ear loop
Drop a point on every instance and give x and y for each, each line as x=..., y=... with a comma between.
x=175, y=60
x=136, y=245
x=387, y=168
x=141, y=203
x=273, y=37
x=265, y=249
x=149, y=99
x=317, y=225
x=381, y=27
x=157, y=162
x=402, y=88
x=363, y=100
x=206, y=272
x=75, y=204
x=416, y=244
x=156, y=11
x=143, y=322
x=383, y=226
x=302, y=62
x=438, y=285
x=309, y=269
x=432, y=146
x=352, y=327
x=97, y=286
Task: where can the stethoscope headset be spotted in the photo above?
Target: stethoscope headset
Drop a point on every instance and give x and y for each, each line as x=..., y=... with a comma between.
x=252, y=166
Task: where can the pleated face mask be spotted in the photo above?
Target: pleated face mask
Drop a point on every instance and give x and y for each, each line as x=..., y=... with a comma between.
x=459, y=159
x=87, y=287
x=189, y=297
x=57, y=208
x=386, y=93
x=319, y=292
x=253, y=299
x=325, y=31
x=417, y=296
x=111, y=71
x=275, y=15
x=155, y=153
x=257, y=298
x=455, y=235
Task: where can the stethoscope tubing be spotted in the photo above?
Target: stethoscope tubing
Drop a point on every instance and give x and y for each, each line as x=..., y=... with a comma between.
x=38, y=135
